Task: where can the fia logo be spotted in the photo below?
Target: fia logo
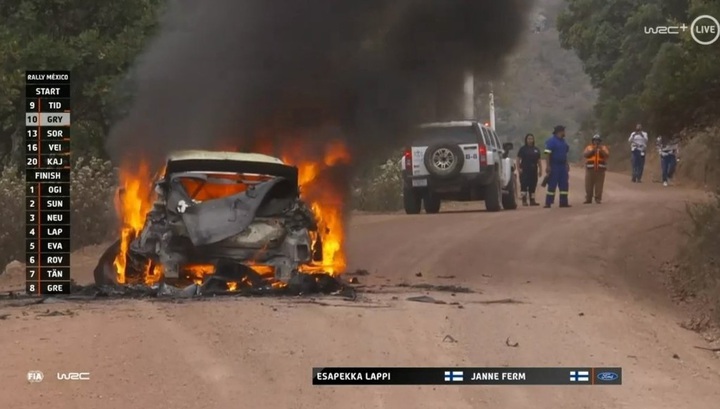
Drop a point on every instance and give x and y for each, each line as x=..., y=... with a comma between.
x=35, y=376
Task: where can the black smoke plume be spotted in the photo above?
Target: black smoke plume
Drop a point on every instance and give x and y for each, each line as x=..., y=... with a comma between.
x=232, y=71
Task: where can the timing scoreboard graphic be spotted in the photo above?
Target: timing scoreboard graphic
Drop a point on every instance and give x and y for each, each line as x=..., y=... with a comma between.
x=468, y=376
x=47, y=179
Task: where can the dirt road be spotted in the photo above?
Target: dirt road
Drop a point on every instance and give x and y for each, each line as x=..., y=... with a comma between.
x=583, y=276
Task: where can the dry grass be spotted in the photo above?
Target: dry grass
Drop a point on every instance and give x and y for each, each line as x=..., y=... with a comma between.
x=695, y=275
x=380, y=190
x=92, y=217
x=696, y=278
x=12, y=216
x=700, y=158
x=700, y=154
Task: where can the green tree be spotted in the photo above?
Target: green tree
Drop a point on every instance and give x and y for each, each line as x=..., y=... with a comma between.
x=97, y=40
x=682, y=89
x=594, y=29
x=668, y=82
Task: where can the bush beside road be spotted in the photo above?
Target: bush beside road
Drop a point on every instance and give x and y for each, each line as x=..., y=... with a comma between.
x=93, y=215
x=563, y=294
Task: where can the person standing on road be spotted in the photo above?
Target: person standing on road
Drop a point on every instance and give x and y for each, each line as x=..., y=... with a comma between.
x=530, y=167
x=557, y=168
x=638, y=144
x=596, y=155
x=669, y=156
x=658, y=148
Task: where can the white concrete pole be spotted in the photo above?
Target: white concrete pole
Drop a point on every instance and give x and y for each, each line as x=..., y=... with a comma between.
x=492, y=108
x=469, y=94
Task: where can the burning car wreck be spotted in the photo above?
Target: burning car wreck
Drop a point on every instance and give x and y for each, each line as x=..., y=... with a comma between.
x=238, y=216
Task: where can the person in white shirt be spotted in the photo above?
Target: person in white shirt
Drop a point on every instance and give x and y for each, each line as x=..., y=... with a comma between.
x=638, y=145
x=669, y=149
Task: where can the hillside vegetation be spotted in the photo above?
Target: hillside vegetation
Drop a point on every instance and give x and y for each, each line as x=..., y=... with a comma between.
x=544, y=85
x=99, y=42
x=671, y=84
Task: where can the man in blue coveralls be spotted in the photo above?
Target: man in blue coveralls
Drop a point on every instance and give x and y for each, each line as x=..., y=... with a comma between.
x=557, y=167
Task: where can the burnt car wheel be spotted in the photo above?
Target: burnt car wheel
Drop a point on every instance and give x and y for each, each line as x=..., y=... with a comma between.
x=444, y=160
x=106, y=273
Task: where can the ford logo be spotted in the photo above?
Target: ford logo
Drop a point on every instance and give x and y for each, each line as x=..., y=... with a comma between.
x=607, y=376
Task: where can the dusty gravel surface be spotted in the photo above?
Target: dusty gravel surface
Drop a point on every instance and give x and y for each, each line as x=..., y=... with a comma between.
x=583, y=277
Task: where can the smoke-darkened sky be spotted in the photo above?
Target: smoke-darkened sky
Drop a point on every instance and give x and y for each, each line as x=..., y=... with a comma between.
x=229, y=70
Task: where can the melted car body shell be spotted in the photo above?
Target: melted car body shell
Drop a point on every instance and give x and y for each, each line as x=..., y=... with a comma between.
x=216, y=220
x=258, y=235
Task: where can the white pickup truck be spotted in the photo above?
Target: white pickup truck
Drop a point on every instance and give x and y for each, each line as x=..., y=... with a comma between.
x=458, y=161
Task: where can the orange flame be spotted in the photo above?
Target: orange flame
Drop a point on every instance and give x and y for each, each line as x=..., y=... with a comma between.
x=197, y=272
x=136, y=196
x=326, y=201
x=134, y=200
x=152, y=275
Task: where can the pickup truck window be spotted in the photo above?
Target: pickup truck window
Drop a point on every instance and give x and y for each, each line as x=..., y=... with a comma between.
x=496, y=140
x=450, y=134
x=487, y=140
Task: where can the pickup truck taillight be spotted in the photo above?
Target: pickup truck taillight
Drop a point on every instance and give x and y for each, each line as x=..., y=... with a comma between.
x=483, y=155
x=408, y=160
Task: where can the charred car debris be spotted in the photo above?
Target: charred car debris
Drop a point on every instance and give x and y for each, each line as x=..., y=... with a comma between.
x=222, y=222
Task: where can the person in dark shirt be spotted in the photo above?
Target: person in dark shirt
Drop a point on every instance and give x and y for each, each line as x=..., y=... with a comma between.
x=529, y=167
x=669, y=149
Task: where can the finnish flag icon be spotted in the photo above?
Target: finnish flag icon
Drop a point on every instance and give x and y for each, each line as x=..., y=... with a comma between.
x=579, y=376
x=453, y=376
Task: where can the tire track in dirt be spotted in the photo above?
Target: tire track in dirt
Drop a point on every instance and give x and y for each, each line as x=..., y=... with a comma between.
x=581, y=274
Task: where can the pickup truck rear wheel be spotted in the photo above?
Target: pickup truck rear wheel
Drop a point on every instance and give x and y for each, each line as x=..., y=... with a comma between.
x=431, y=203
x=412, y=201
x=493, y=195
x=509, y=199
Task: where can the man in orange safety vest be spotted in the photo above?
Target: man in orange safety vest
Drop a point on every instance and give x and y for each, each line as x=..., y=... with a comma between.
x=596, y=155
